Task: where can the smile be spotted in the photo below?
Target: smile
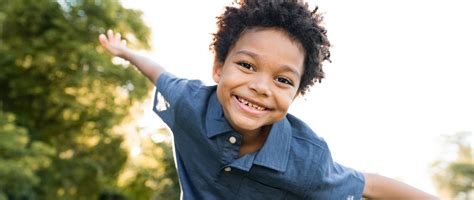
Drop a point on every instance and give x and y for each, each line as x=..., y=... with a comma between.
x=250, y=105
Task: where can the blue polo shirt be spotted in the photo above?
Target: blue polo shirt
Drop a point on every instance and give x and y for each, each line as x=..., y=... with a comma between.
x=294, y=163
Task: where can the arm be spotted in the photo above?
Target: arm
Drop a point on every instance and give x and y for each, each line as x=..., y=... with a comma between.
x=116, y=46
x=380, y=187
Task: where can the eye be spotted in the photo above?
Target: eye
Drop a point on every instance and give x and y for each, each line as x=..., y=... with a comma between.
x=284, y=80
x=246, y=65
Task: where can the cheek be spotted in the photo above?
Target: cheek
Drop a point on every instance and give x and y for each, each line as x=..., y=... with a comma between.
x=231, y=81
x=285, y=102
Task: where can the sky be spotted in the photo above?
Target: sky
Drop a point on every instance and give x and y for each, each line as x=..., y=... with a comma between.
x=400, y=77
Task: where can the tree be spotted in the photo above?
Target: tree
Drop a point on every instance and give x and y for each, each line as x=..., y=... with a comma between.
x=66, y=97
x=455, y=178
x=20, y=159
x=153, y=167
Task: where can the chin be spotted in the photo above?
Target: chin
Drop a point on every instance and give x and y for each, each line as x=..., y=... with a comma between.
x=246, y=126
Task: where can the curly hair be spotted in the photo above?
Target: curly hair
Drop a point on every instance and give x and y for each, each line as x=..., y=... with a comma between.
x=291, y=16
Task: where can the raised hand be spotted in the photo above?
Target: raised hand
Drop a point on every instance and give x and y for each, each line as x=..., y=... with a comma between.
x=113, y=43
x=117, y=47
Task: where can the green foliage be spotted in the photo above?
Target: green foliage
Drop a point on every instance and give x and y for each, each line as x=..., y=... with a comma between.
x=62, y=98
x=20, y=159
x=455, y=178
x=168, y=182
x=154, y=168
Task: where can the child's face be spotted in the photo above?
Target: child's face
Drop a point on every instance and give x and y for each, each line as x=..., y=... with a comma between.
x=259, y=78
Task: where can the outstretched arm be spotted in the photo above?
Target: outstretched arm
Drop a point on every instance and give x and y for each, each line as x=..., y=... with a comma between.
x=380, y=187
x=117, y=47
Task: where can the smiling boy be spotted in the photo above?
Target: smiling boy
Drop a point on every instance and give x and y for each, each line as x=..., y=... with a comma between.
x=257, y=83
x=235, y=140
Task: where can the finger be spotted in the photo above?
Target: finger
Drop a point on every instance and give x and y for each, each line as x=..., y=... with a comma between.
x=117, y=38
x=124, y=42
x=110, y=34
x=103, y=40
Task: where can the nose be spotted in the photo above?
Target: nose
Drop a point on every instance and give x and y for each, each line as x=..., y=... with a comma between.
x=261, y=86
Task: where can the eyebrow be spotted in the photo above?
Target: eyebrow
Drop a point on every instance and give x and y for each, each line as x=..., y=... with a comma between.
x=284, y=67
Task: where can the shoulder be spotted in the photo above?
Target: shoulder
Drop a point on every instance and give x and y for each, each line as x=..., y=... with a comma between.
x=170, y=81
x=302, y=134
x=306, y=153
x=325, y=177
x=174, y=88
x=178, y=99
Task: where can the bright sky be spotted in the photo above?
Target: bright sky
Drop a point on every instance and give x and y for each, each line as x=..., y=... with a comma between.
x=401, y=76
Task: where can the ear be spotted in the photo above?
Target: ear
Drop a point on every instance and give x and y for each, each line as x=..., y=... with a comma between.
x=216, y=71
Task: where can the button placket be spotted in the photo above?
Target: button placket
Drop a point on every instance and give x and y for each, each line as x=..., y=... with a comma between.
x=230, y=148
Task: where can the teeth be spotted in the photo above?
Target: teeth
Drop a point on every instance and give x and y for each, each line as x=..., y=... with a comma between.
x=250, y=104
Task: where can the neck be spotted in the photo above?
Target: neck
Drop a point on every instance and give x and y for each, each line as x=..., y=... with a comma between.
x=253, y=140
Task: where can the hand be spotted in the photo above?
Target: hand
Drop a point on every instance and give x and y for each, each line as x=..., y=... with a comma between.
x=117, y=47
x=113, y=43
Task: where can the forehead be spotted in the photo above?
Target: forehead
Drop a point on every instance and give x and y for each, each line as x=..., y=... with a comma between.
x=271, y=45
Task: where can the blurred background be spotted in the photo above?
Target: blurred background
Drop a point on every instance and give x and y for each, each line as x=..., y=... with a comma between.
x=76, y=123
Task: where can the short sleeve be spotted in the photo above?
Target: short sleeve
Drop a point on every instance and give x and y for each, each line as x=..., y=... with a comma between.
x=170, y=95
x=335, y=181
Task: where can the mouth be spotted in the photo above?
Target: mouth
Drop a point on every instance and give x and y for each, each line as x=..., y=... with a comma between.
x=251, y=105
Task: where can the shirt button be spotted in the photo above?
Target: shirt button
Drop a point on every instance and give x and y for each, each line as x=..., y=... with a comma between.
x=227, y=169
x=232, y=139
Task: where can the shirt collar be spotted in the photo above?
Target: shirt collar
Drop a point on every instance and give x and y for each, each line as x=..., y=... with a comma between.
x=274, y=153
x=215, y=121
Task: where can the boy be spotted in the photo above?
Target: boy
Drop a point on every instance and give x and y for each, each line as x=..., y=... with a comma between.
x=235, y=140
